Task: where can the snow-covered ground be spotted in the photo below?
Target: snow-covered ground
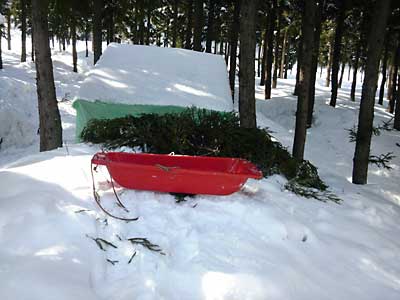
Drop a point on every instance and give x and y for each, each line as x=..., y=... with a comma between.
x=270, y=245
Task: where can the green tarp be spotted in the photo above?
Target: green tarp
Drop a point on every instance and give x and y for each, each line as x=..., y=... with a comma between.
x=87, y=110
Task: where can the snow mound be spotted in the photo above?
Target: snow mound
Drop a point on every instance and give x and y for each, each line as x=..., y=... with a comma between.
x=18, y=112
x=135, y=74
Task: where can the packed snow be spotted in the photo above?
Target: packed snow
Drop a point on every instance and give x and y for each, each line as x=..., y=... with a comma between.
x=268, y=245
x=137, y=74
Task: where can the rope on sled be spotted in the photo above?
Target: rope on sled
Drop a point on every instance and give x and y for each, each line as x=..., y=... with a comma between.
x=97, y=199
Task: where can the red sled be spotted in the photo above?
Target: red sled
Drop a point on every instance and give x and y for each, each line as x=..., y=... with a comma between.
x=178, y=173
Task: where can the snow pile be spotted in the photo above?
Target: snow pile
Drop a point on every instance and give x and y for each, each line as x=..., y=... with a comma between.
x=135, y=74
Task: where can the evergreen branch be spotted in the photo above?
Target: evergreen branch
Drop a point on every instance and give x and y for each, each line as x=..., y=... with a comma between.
x=382, y=160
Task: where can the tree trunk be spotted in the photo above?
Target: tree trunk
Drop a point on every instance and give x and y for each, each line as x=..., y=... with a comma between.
x=247, y=100
x=307, y=32
x=97, y=30
x=389, y=93
x=9, y=30
x=1, y=58
x=336, y=54
x=276, y=50
x=198, y=25
x=396, y=124
x=270, y=46
x=210, y=25
x=234, y=35
x=23, y=30
x=259, y=59
x=74, y=54
x=264, y=55
x=395, y=87
x=355, y=69
x=314, y=63
x=349, y=72
x=49, y=115
x=329, y=67
x=283, y=56
x=366, y=115
x=341, y=74
x=86, y=40
x=299, y=56
x=148, y=25
x=227, y=50
x=32, y=45
x=189, y=24
x=384, y=67
x=175, y=23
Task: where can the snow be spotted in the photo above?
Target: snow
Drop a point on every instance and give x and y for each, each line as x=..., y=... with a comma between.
x=130, y=74
x=269, y=245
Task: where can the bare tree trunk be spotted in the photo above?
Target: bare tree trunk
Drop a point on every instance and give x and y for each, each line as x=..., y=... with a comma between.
x=336, y=54
x=49, y=115
x=32, y=45
x=276, y=51
x=259, y=58
x=355, y=68
x=210, y=25
x=74, y=54
x=341, y=74
x=394, y=87
x=189, y=25
x=198, y=25
x=314, y=63
x=86, y=40
x=175, y=25
x=234, y=35
x=247, y=101
x=23, y=30
x=384, y=67
x=270, y=46
x=9, y=30
x=1, y=58
x=283, y=56
x=389, y=93
x=97, y=30
x=264, y=55
x=307, y=32
x=299, y=56
x=329, y=67
x=396, y=124
x=366, y=115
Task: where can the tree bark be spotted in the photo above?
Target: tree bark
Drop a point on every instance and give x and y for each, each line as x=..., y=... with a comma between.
x=283, y=55
x=336, y=53
x=384, y=67
x=307, y=32
x=49, y=115
x=314, y=63
x=270, y=46
x=366, y=115
x=259, y=58
x=264, y=55
x=175, y=25
x=198, y=25
x=396, y=124
x=97, y=30
x=23, y=30
x=1, y=58
x=32, y=45
x=247, y=101
x=234, y=35
x=329, y=67
x=355, y=69
x=74, y=53
x=341, y=74
x=394, y=86
x=276, y=50
x=9, y=30
x=210, y=25
x=299, y=56
x=189, y=25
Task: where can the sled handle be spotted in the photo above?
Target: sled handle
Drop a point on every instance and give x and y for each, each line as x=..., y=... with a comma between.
x=100, y=159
